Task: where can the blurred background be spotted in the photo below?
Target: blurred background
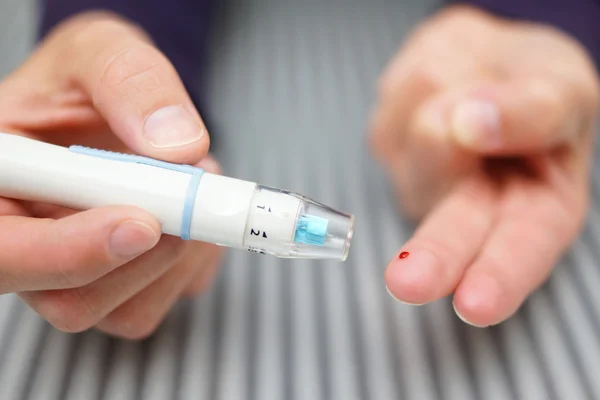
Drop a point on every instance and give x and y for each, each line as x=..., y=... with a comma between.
x=284, y=73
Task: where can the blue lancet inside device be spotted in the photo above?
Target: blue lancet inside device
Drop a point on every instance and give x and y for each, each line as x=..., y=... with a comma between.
x=311, y=230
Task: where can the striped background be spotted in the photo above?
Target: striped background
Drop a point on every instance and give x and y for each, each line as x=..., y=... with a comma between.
x=291, y=85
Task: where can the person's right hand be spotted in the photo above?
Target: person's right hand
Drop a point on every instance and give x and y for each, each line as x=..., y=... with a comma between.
x=98, y=81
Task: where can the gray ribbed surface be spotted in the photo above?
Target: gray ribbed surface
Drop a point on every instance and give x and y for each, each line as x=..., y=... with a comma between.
x=291, y=88
x=16, y=34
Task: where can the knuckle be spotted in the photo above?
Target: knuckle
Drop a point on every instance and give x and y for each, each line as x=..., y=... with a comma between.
x=71, y=272
x=428, y=77
x=133, y=66
x=401, y=80
x=67, y=310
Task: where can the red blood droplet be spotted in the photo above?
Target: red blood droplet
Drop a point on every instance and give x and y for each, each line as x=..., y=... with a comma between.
x=404, y=254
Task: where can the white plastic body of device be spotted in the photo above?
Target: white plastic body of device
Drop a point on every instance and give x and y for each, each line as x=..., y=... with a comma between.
x=187, y=201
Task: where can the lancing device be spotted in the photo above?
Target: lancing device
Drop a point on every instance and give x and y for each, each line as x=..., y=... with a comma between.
x=187, y=201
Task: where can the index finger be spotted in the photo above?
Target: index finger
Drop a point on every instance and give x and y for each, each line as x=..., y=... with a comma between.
x=135, y=88
x=431, y=264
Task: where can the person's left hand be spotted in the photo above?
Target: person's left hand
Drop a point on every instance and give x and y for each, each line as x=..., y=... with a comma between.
x=485, y=126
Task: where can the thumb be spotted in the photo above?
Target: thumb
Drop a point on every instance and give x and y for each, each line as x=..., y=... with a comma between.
x=519, y=116
x=133, y=86
x=46, y=254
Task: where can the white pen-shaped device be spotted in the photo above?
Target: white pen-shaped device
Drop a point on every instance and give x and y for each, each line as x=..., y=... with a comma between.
x=187, y=201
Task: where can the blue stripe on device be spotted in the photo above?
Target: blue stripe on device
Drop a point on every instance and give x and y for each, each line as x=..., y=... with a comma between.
x=190, y=197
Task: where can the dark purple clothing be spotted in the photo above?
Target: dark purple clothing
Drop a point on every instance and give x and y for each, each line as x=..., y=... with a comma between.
x=179, y=27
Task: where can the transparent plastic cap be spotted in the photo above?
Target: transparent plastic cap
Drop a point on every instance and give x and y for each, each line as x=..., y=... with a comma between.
x=321, y=232
x=290, y=225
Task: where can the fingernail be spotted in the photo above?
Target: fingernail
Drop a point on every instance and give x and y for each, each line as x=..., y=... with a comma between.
x=400, y=301
x=476, y=123
x=463, y=319
x=132, y=238
x=172, y=126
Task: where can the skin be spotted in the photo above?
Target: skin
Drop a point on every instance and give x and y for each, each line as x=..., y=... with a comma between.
x=486, y=129
x=98, y=81
x=499, y=198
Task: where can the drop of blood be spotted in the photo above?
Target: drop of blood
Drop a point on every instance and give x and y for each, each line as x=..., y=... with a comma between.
x=404, y=254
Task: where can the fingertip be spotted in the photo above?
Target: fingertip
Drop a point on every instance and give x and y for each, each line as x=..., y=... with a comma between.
x=140, y=94
x=465, y=319
x=132, y=238
x=481, y=301
x=414, y=279
x=393, y=296
x=127, y=231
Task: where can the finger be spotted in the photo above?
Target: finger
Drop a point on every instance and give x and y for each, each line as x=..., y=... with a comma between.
x=74, y=251
x=78, y=309
x=210, y=164
x=142, y=314
x=12, y=207
x=444, y=245
x=137, y=90
x=411, y=77
x=401, y=88
x=533, y=229
x=205, y=276
x=45, y=210
x=201, y=281
x=431, y=163
x=520, y=116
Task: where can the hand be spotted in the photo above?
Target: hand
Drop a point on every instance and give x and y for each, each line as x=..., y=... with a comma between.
x=98, y=81
x=486, y=128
